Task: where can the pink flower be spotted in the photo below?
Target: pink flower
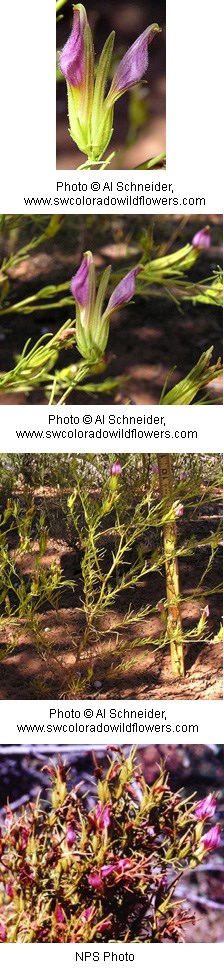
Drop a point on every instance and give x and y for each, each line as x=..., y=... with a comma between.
x=102, y=813
x=59, y=915
x=9, y=890
x=133, y=65
x=211, y=839
x=71, y=61
x=123, y=293
x=2, y=933
x=116, y=468
x=105, y=924
x=70, y=835
x=202, y=239
x=178, y=508
x=122, y=865
x=205, y=611
x=183, y=476
x=95, y=880
x=206, y=808
x=80, y=282
x=87, y=914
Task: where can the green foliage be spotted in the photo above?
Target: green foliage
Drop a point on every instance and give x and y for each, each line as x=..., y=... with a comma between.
x=108, y=874
x=113, y=523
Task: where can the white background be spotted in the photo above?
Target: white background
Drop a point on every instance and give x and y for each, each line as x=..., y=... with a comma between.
x=208, y=715
x=207, y=421
x=195, y=166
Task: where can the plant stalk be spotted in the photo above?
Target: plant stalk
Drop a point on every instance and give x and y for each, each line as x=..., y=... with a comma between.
x=172, y=572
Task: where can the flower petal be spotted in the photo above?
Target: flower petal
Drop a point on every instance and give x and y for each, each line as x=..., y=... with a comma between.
x=71, y=60
x=80, y=282
x=133, y=64
x=123, y=293
x=202, y=239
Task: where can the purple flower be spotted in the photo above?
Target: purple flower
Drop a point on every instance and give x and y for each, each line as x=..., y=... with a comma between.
x=9, y=890
x=2, y=933
x=80, y=282
x=178, y=508
x=154, y=468
x=211, y=839
x=205, y=611
x=95, y=880
x=133, y=64
x=123, y=293
x=122, y=865
x=102, y=815
x=59, y=914
x=71, y=61
x=87, y=914
x=202, y=239
x=105, y=924
x=70, y=835
x=183, y=476
x=116, y=468
x=206, y=808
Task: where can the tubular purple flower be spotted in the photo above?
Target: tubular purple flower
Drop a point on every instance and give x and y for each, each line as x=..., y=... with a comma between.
x=212, y=839
x=59, y=915
x=202, y=239
x=178, y=508
x=103, y=816
x=105, y=924
x=70, y=835
x=206, y=808
x=123, y=293
x=116, y=468
x=155, y=468
x=133, y=64
x=183, y=476
x=80, y=282
x=71, y=60
x=205, y=611
x=9, y=890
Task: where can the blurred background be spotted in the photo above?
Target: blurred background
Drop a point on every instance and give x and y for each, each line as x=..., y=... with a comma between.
x=195, y=768
x=140, y=114
x=157, y=332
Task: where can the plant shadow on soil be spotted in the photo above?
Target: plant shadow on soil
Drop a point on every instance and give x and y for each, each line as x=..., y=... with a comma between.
x=141, y=672
x=147, y=340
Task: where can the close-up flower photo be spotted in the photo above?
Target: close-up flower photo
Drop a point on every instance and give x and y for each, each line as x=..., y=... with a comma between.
x=118, y=845
x=111, y=84
x=111, y=310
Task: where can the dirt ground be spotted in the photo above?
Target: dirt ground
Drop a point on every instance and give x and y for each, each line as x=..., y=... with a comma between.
x=132, y=147
x=148, y=338
x=107, y=669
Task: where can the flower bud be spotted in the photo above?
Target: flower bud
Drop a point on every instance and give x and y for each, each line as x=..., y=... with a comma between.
x=59, y=914
x=133, y=65
x=211, y=840
x=201, y=239
x=123, y=293
x=2, y=933
x=206, y=808
x=116, y=468
x=70, y=836
x=178, y=508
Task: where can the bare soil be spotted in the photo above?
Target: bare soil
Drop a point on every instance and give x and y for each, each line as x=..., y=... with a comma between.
x=52, y=665
x=148, y=339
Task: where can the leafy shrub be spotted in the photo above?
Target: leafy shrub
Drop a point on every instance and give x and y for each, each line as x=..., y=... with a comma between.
x=70, y=874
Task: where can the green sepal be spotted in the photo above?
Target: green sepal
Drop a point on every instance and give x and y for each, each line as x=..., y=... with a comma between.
x=101, y=77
